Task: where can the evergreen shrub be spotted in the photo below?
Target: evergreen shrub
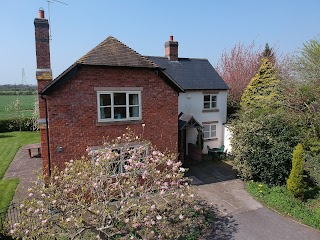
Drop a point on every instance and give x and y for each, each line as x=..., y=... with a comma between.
x=295, y=182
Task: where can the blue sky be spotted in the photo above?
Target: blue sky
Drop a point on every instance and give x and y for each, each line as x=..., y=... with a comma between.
x=203, y=28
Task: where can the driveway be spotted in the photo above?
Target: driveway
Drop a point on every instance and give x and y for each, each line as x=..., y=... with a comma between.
x=240, y=217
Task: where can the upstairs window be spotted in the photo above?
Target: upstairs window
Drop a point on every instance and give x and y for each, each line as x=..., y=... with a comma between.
x=119, y=106
x=209, y=101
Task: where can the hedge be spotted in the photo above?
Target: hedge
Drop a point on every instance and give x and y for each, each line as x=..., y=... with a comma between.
x=17, y=124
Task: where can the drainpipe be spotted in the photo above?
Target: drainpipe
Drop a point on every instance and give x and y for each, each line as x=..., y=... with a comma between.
x=47, y=133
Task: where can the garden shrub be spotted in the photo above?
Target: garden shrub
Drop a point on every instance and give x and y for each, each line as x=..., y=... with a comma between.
x=295, y=182
x=313, y=160
x=261, y=146
x=17, y=124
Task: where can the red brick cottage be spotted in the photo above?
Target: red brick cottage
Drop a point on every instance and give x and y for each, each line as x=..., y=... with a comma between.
x=110, y=88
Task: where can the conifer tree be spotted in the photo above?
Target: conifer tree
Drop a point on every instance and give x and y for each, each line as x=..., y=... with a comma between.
x=295, y=182
x=263, y=91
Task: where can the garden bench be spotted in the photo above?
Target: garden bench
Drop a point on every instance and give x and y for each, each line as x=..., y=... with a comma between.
x=33, y=146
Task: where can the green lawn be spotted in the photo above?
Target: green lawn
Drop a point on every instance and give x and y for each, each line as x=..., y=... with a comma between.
x=9, y=145
x=27, y=104
x=279, y=199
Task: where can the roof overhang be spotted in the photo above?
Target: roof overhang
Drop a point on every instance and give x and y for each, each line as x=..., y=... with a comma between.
x=61, y=79
x=188, y=121
x=73, y=70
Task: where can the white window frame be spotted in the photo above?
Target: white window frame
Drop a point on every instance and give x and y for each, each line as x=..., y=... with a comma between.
x=121, y=162
x=210, y=101
x=127, y=106
x=212, y=132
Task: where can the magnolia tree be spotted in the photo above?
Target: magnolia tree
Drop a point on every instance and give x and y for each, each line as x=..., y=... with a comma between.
x=125, y=190
x=236, y=68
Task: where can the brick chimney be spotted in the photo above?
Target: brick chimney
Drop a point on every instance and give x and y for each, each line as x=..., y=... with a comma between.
x=171, y=49
x=41, y=26
x=44, y=77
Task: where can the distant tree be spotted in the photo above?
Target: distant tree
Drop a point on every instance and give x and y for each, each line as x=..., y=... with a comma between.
x=307, y=62
x=269, y=53
x=263, y=91
x=236, y=68
x=16, y=112
x=295, y=182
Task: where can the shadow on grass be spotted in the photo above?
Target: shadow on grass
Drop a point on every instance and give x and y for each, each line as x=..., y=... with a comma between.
x=5, y=136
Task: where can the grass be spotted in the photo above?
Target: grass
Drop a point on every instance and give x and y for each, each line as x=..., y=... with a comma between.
x=7, y=188
x=281, y=200
x=27, y=104
x=9, y=145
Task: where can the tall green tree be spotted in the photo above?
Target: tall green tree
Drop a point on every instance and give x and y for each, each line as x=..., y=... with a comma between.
x=263, y=90
x=263, y=133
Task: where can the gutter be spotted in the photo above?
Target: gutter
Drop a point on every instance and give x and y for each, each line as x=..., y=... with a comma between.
x=47, y=132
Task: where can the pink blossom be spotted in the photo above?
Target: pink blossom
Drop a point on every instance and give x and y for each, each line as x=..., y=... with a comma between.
x=30, y=194
x=135, y=225
x=181, y=217
x=158, y=217
x=169, y=162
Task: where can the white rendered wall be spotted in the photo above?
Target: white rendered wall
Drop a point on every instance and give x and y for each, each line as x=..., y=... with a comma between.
x=191, y=103
x=227, y=139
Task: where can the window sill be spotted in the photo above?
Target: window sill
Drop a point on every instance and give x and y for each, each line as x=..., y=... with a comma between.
x=210, y=110
x=210, y=139
x=128, y=122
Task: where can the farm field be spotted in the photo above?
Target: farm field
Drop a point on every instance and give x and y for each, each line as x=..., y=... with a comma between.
x=27, y=104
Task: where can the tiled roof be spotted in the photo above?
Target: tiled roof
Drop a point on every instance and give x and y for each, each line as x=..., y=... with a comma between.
x=112, y=52
x=191, y=73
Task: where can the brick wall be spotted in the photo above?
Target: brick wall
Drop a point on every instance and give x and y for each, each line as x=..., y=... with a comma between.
x=194, y=152
x=73, y=111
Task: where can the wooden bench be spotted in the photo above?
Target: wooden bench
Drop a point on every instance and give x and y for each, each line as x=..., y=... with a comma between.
x=33, y=146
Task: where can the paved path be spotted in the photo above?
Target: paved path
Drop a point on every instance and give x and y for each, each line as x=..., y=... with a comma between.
x=240, y=217
x=23, y=167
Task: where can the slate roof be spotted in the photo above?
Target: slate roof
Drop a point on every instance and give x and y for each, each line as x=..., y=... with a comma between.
x=112, y=52
x=192, y=73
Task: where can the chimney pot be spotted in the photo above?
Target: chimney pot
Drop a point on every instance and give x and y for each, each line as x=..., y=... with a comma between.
x=41, y=13
x=171, y=49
